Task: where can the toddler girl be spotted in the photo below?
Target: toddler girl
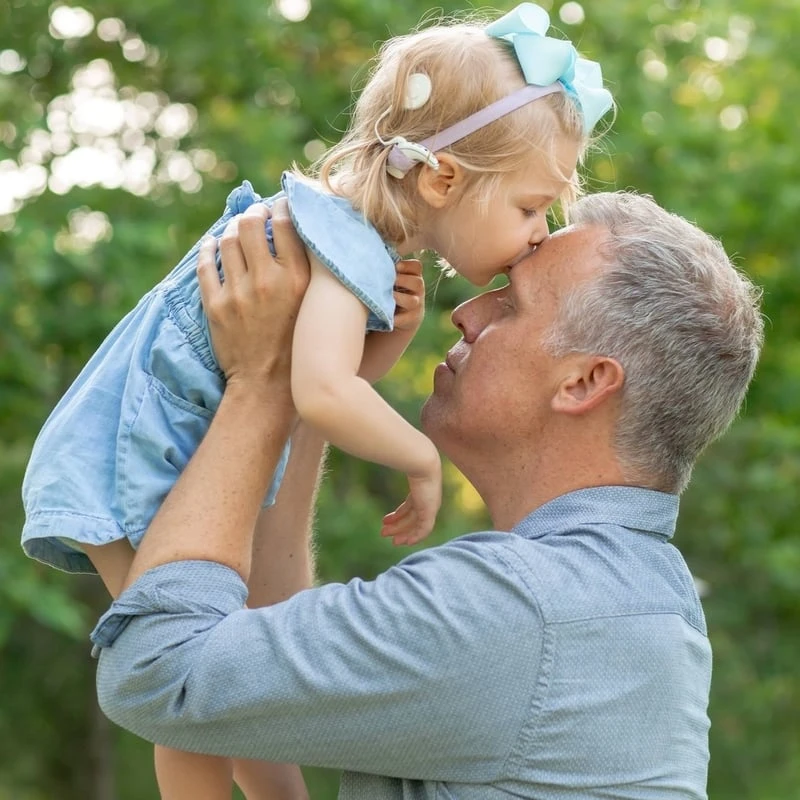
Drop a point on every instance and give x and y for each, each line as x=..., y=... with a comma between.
x=461, y=141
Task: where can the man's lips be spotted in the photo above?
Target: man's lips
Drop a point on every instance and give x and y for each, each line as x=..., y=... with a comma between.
x=455, y=356
x=448, y=366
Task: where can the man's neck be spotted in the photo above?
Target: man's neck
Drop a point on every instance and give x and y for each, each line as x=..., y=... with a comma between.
x=514, y=488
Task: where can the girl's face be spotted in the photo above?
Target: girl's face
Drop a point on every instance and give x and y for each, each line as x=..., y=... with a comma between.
x=482, y=240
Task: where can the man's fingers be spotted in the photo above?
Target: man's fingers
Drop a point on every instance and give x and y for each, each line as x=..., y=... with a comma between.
x=288, y=245
x=253, y=235
x=207, y=275
x=230, y=250
x=290, y=249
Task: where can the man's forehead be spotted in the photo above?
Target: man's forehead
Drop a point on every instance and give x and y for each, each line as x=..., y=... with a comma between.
x=577, y=232
x=573, y=248
x=567, y=230
x=572, y=241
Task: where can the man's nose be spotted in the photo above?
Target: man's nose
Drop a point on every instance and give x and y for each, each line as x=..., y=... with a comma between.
x=471, y=316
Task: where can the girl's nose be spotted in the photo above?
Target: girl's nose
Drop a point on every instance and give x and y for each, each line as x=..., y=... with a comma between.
x=540, y=231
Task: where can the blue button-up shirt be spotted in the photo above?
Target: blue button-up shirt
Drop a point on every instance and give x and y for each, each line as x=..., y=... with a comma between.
x=567, y=658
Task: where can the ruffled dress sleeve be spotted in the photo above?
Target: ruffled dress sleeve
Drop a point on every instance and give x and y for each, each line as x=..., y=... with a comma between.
x=348, y=245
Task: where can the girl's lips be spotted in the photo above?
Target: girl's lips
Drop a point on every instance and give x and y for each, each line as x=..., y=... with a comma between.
x=529, y=252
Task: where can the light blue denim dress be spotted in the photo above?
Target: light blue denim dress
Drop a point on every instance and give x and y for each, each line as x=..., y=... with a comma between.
x=119, y=438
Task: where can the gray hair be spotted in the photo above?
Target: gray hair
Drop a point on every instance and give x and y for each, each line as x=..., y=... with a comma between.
x=682, y=321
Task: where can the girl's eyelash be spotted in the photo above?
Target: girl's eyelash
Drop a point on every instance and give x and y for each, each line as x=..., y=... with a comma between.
x=529, y=212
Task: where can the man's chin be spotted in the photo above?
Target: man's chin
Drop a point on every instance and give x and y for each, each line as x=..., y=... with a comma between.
x=429, y=416
x=424, y=414
x=432, y=419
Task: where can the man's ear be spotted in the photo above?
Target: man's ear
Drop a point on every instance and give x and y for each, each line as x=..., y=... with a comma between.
x=589, y=381
x=439, y=187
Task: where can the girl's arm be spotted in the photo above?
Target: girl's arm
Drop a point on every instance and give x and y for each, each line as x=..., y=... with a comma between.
x=383, y=350
x=327, y=350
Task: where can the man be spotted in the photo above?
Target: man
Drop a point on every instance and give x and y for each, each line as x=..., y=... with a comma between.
x=561, y=655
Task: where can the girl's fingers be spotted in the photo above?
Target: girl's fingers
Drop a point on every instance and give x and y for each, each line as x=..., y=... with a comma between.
x=400, y=522
x=407, y=538
x=409, y=284
x=409, y=266
x=406, y=302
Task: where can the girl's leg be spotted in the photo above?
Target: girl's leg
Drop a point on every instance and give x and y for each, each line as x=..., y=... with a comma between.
x=112, y=562
x=264, y=780
x=192, y=776
x=180, y=775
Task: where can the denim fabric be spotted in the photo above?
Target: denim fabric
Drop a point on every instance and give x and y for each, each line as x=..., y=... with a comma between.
x=116, y=442
x=348, y=245
x=567, y=659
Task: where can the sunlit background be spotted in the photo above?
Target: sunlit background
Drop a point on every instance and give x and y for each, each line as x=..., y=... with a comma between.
x=122, y=129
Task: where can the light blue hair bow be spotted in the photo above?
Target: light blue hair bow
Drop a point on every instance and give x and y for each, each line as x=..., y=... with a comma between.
x=545, y=60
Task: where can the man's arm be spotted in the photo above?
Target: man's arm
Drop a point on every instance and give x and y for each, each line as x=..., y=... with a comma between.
x=427, y=672
x=283, y=552
x=282, y=565
x=211, y=512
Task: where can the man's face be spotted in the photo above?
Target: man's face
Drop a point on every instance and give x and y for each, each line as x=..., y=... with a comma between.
x=495, y=387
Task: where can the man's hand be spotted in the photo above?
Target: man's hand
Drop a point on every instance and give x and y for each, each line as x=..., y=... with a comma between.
x=251, y=314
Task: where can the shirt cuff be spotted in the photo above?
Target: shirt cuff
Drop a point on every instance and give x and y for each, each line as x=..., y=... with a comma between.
x=180, y=587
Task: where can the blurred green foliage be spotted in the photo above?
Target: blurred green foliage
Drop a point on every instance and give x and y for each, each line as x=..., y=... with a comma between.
x=216, y=92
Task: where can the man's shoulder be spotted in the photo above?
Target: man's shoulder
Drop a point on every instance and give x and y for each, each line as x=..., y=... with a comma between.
x=585, y=571
x=478, y=572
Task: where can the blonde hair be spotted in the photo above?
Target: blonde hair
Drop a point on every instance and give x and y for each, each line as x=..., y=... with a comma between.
x=468, y=71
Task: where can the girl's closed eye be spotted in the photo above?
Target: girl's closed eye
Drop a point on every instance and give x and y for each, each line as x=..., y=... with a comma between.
x=529, y=212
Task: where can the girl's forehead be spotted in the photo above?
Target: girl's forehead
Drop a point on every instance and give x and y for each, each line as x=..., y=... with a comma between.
x=552, y=171
x=541, y=179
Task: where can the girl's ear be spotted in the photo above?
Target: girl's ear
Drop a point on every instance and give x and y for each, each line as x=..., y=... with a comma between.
x=439, y=187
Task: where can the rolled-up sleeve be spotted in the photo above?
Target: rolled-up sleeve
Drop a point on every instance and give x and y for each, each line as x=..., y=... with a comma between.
x=401, y=676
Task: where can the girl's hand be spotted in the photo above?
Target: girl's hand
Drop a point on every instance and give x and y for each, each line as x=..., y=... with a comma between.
x=409, y=296
x=413, y=520
x=383, y=349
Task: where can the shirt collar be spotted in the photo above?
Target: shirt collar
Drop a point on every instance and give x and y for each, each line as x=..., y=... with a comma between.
x=625, y=506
